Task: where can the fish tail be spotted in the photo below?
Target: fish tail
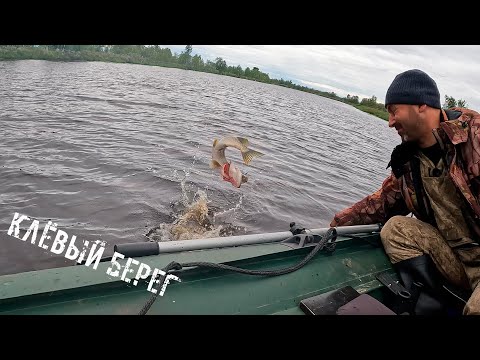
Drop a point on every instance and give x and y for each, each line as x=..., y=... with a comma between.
x=248, y=155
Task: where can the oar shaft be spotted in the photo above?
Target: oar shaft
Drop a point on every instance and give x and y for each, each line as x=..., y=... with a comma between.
x=152, y=248
x=197, y=244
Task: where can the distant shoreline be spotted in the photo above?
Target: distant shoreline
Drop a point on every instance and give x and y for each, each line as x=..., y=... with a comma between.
x=163, y=57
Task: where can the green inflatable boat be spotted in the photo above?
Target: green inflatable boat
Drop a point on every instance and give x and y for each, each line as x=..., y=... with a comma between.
x=325, y=271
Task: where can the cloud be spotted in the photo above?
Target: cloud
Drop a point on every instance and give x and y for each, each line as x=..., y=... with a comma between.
x=362, y=70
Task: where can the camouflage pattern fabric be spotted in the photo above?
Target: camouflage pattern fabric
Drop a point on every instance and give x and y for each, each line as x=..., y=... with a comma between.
x=454, y=198
x=405, y=237
x=461, y=140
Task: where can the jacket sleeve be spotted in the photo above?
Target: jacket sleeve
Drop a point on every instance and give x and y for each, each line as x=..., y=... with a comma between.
x=375, y=208
x=469, y=180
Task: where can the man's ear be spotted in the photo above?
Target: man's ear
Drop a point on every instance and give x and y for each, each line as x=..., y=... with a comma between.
x=422, y=108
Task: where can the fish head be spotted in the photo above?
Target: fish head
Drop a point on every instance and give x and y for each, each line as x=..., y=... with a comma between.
x=233, y=175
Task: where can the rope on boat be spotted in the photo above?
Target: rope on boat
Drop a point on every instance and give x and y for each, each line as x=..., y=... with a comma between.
x=331, y=234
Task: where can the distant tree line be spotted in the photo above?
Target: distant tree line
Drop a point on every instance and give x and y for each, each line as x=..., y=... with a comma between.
x=451, y=102
x=154, y=55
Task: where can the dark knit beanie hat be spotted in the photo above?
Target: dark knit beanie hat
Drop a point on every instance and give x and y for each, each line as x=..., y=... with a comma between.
x=413, y=87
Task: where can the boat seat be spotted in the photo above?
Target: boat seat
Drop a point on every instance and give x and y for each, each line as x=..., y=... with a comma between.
x=344, y=301
x=364, y=305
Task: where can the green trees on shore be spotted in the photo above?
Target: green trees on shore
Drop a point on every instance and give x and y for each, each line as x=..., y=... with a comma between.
x=451, y=102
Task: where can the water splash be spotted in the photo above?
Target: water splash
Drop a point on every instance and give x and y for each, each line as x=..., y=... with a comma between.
x=232, y=212
x=195, y=215
x=196, y=219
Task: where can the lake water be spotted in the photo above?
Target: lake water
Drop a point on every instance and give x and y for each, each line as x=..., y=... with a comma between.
x=117, y=152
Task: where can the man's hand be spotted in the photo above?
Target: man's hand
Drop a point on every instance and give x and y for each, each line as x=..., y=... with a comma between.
x=333, y=223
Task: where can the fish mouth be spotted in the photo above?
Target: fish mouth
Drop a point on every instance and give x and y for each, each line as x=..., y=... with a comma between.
x=233, y=182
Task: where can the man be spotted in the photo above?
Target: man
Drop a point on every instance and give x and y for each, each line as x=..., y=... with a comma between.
x=436, y=177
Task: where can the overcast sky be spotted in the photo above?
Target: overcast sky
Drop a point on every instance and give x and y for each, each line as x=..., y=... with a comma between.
x=362, y=70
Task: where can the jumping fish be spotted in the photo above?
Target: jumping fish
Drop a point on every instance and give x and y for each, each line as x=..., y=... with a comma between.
x=228, y=170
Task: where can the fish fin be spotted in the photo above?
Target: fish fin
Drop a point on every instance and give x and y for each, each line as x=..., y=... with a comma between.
x=243, y=141
x=215, y=142
x=214, y=164
x=249, y=155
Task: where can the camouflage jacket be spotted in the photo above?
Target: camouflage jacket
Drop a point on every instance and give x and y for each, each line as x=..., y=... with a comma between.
x=460, y=140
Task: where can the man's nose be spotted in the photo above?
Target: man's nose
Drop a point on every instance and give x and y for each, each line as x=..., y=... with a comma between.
x=391, y=120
